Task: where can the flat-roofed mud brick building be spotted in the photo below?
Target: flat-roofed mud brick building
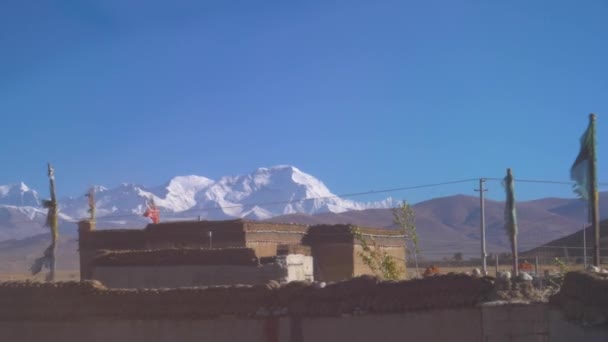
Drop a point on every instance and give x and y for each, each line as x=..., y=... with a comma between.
x=202, y=253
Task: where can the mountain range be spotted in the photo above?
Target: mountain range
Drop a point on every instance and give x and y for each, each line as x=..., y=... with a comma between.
x=262, y=194
x=284, y=194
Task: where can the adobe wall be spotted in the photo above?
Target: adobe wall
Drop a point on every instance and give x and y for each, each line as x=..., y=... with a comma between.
x=389, y=328
x=360, y=268
x=170, y=268
x=440, y=326
x=192, y=234
x=583, y=296
x=430, y=326
x=129, y=330
x=335, y=250
x=186, y=275
x=75, y=300
x=331, y=245
x=333, y=261
x=563, y=329
x=262, y=237
x=441, y=308
x=263, y=249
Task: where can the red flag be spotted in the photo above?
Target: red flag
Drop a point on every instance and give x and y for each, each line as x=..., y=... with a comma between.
x=152, y=212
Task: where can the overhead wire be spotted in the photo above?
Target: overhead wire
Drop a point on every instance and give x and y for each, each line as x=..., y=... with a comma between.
x=179, y=215
x=354, y=194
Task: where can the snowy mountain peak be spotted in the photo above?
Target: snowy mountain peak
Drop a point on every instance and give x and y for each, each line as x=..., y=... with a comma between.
x=261, y=194
x=18, y=195
x=99, y=188
x=23, y=187
x=189, y=182
x=287, y=175
x=179, y=193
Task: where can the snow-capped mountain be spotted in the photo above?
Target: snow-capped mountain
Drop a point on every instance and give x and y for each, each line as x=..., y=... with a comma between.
x=18, y=195
x=264, y=193
x=269, y=192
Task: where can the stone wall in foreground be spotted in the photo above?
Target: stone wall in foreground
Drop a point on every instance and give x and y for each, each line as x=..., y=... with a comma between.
x=583, y=297
x=26, y=300
x=442, y=308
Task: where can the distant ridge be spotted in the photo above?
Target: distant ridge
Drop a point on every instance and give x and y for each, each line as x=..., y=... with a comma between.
x=445, y=225
x=261, y=194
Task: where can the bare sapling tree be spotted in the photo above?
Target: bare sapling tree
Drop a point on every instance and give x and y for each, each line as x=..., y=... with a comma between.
x=379, y=262
x=405, y=218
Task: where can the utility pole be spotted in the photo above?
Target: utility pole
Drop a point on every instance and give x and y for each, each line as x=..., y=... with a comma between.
x=484, y=266
x=585, y=246
x=594, y=195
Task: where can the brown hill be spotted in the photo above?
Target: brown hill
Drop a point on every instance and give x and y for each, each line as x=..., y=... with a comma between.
x=571, y=245
x=445, y=226
x=451, y=224
x=16, y=256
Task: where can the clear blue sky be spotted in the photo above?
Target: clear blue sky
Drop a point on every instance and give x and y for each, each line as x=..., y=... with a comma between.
x=361, y=94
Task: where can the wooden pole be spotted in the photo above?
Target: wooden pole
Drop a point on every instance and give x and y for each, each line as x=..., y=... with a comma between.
x=482, y=224
x=585, y=247
x=594, y=198
x=53, y=223
x=513, y=223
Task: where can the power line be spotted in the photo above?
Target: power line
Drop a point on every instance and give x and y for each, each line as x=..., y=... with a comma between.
x=354, y=194
x=540, y=181
x=200, y=210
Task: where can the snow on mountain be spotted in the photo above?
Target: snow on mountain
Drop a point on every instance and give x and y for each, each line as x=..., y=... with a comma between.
x=18, y=195
x=264, y=193
x=269, y=192
x=179, y=194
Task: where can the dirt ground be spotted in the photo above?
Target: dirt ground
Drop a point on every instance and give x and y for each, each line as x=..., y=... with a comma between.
x=411, y=272
x=60, y=276
x=65, y=275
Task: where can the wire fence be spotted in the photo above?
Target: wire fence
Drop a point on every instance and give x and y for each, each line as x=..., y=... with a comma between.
x=535, y=261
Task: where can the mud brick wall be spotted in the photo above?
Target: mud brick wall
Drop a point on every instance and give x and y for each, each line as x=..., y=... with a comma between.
x=584, y=297
x=28, y=300
x=265, y=237
x=360, y=268
x=262, y=237
x=332, y=246
x=441, y=308
x=333, y=261
x=195, y=234
x=182, y=267
x=177, y=256
x=173, y=276
x=336, y=253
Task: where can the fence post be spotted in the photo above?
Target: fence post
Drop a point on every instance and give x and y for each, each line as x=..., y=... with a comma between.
x=496, y=260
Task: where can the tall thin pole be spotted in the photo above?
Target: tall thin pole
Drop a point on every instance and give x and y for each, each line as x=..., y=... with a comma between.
x=484, y=266
x=585, y=246
x=511, y=218
x=595, y=208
